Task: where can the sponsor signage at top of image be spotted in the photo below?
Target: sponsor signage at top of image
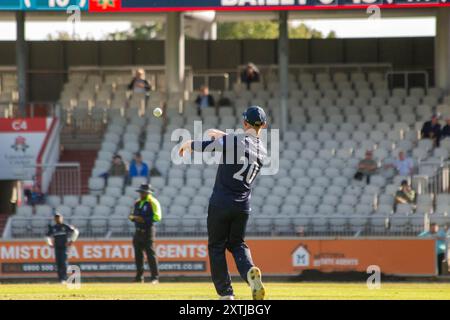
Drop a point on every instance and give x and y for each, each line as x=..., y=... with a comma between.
x=43, y=5
x=218, y=5
x=233, y=5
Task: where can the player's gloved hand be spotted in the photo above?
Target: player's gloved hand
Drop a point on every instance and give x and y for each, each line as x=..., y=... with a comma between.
x=185, y=147
x=131, y=217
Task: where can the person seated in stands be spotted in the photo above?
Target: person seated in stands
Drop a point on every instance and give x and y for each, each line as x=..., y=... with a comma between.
x=204, y=99
x=138, y=168
x=432, y=130
x=118, y=167
x=250, y=74
x=366, y=167
x=441, y=243
x=34, y=196
x=405, y=195
x=139, y=84
x=403, y=166
x=445, y=132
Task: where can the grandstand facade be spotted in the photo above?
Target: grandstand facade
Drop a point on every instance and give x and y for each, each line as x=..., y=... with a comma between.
x=51, y=62
x=335, y=117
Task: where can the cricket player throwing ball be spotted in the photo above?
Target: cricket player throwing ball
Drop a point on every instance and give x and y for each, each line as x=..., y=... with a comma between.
x=229, y=208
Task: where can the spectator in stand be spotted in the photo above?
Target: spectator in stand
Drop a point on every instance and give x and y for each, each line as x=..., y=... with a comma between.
x=366, y=167
x=250, y=74
x=204, y=99
x=406, y=195
x=138, y=168
x=138, y=84
x=432, y=130
x=445, y=132
x=441, y=243
x=118, y=167
x=34, y=196
x=404, y=166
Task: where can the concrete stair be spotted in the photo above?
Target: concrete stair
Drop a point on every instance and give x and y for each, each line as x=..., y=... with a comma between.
x=81, y=148
x=81, y=141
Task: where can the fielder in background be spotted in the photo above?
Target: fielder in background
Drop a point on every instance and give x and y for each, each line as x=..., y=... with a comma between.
x=147, y=211
x=61, y=236
x=242, y=158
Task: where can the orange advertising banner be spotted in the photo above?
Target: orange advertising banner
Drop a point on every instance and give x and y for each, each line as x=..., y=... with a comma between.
x=190, y=256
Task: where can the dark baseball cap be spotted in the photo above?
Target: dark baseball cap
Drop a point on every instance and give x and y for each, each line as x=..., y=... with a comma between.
x=255, y=116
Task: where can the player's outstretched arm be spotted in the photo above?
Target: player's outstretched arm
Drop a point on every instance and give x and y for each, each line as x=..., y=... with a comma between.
x=204, y=146
x=185, y=147
x=216, y=134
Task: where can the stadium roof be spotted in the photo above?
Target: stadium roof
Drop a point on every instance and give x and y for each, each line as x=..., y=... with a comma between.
x=222, y=16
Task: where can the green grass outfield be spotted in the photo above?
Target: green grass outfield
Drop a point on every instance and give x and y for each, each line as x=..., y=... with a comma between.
x=205, y=291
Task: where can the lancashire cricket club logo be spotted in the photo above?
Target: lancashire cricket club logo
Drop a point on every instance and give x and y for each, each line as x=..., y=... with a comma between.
x=106, y=4
x=20, y=144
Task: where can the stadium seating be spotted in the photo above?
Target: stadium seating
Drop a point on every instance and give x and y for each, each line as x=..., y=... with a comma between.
x=333, y=120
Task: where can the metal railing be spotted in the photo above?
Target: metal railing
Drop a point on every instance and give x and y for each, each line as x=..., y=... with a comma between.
x=112, y=227
x=436, y=179
x=406, y=75
x=56, y=179
x=8, y=109
x=33, y=109
x=328, y=68
x=206, y=79
x=66, y=179
x=43, y=108
x=155, y=74
x=84, y=123
x=4, y=71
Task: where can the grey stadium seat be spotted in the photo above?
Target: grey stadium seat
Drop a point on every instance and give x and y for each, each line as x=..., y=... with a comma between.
x=98, y=226
x=319, y=224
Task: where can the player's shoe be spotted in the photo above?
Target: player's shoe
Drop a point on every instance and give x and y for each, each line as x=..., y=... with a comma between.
x=254, y=280
x=155, y=281
x=63, y=282
x=230, y=297
x=138, y=280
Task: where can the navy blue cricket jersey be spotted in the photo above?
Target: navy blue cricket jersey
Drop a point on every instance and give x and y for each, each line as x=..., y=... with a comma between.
x=60, y=233
x=242, y=159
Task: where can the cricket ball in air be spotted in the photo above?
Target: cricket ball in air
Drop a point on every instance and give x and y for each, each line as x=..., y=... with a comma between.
x=157, y=112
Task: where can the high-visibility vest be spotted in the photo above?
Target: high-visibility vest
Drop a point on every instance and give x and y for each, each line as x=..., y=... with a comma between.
x=156, y=207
